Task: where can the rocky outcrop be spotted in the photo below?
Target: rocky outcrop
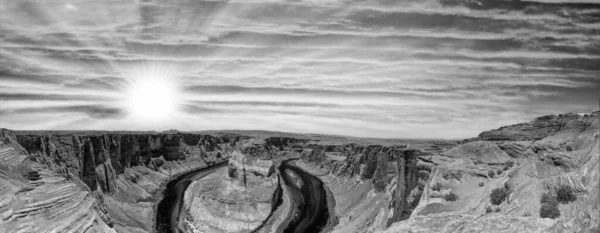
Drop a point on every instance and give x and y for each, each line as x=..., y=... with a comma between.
x=528, y=160
x=110, y=181
x=373, y=185
x=236, y=199
x=37, y=199
x=122, y=173
x=541, y=127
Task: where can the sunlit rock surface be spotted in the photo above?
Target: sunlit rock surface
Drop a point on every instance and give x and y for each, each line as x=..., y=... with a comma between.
x=107, y=182
x=118, y=177
x=34, y=198
x=236, y=199
x=548, y=152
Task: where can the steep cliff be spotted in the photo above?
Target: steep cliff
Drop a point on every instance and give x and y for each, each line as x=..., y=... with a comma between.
x=526, y=160
x=103, y=182
x=373, y=185
x=122, y=172
x=35, y=198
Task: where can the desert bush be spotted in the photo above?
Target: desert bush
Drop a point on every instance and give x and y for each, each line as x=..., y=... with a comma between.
x=498, y=195
x=451, y=197
x=569, y=148
x=491, y=174
x=564, y=194
x=549, y=208
x=437, y=186
x=548, y=198
x=499, y=172
x=481, y=184
x=508, y=165
x=549, y=211
x=488, y=209
x=497, y=209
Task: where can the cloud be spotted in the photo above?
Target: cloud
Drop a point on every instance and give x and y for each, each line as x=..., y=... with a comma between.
x=93, y=111
x=372, y=68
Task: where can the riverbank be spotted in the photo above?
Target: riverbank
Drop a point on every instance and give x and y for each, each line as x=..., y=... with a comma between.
x=314, y=203
x=159, y=194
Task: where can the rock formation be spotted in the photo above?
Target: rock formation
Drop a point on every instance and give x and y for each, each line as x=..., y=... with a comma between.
x=528, y=160
x=110, y=182
x=116, y=177
x=236, y=199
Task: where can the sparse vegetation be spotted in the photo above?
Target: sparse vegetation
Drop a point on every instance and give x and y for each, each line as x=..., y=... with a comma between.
x=564, y=194
x=491, y=174
x=549, y=207
x=508, y=165
x=437, y=186
x=548, y=198
x=451, y=197
x=569, y=148
x=498, y=195
x=481, y=184
x=549, y=211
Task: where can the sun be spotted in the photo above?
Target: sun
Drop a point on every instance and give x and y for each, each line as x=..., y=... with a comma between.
x=152, y=99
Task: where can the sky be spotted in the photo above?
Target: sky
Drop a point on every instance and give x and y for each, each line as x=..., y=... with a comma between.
x=445, y=69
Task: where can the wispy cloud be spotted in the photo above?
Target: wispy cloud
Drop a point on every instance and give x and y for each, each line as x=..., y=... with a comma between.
x=365, y=68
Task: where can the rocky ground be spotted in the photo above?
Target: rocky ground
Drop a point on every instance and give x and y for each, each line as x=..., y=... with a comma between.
x=97, y=182
x=235, y=199
x=110, y=182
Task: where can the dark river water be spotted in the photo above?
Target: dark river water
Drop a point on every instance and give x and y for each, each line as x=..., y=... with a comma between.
x=167, y=213
x=312, y=199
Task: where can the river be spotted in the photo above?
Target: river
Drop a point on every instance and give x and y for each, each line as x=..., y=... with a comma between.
x=167, y=213
x=310, y=198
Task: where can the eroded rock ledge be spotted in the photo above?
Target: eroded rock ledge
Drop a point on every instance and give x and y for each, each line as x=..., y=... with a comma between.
x=108, y=182
x=120, y=173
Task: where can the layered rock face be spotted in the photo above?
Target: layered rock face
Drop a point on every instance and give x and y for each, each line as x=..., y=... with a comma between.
x=373, y=185
x=35, y=198
x=528, y=160
x=120, y=173
x=236, y=199
x=104, y=182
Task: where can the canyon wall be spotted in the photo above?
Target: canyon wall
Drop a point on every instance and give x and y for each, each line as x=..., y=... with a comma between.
x=526, y=160
x=238, y=198
x=122, y=174
x=106, y=182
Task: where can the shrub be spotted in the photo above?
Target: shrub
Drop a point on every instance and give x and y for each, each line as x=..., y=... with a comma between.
x=437, y=186
x=569, y=148
x=526, y=214
x=510, y=163
x=549, y=211
x=547, y=198
x=549, y=207
x=491, y=174
x=451, y=197
x=488, y=209
x=497, y=209
x=481, y=184
x=499, y=172
x=498, y=195
x=564, y=194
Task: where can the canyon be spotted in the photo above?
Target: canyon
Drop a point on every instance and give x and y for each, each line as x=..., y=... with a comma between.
x=256, y=181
